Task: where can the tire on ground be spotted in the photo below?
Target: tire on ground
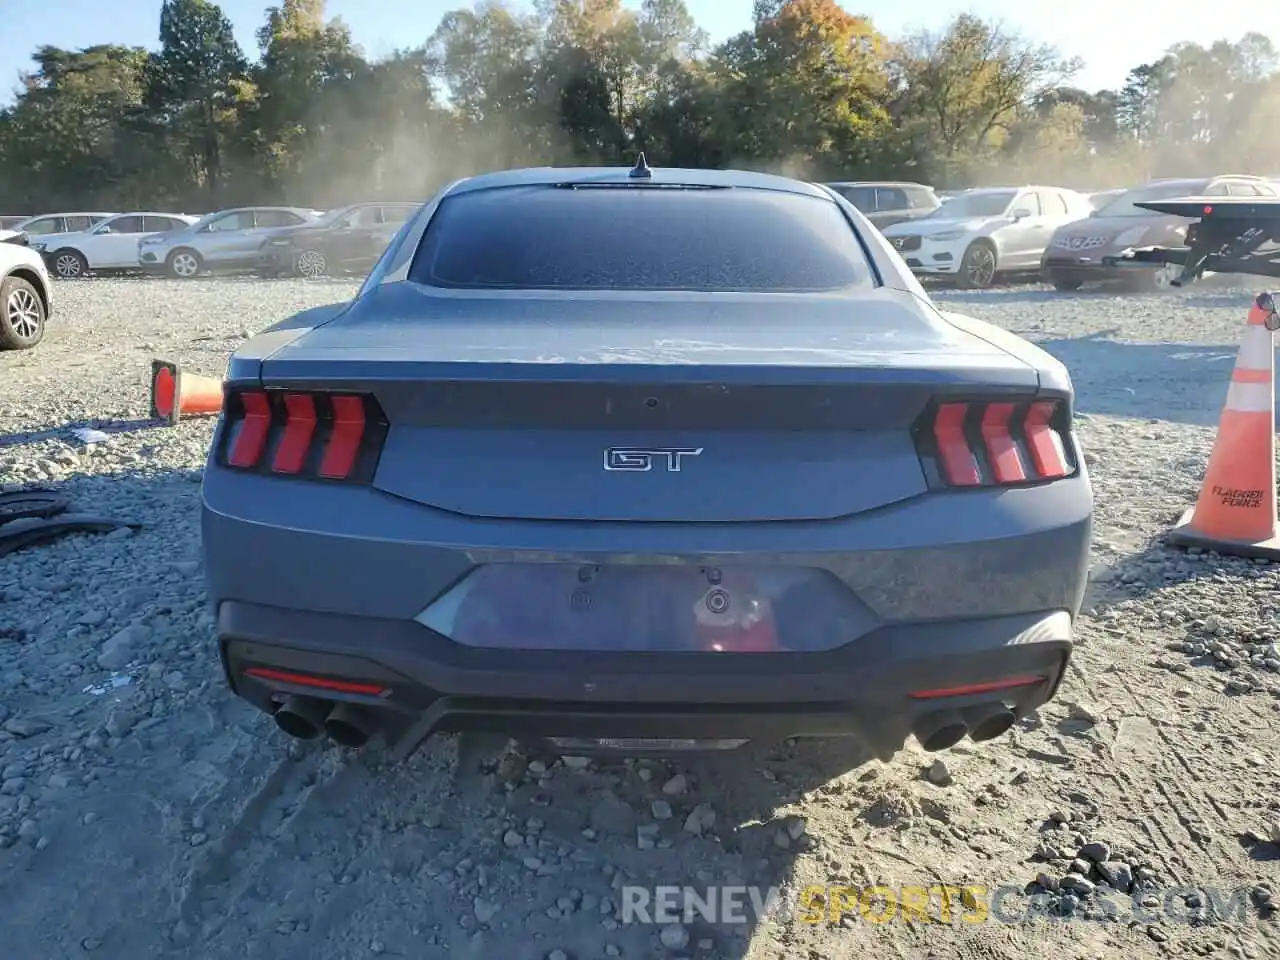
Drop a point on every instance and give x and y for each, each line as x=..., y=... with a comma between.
x=70, y=264
x=311, y=264
x=21, y=307
x=979, y=250
x=170, y=262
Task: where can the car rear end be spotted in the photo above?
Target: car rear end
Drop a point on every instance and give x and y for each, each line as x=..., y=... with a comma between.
x=686, y=471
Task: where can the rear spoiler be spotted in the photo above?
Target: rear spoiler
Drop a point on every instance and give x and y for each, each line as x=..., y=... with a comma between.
x=1226, y=237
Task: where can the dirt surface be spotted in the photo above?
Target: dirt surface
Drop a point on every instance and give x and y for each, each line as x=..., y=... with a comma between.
x=145, y=813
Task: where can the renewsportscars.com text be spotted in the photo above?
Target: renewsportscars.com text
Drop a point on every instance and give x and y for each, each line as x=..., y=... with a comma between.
x=960, y=904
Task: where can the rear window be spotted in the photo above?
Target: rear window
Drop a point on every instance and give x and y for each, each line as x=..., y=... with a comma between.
x=639, y=238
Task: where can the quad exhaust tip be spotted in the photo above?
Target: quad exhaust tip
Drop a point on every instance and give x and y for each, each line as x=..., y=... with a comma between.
x=350, y=726
x=301, y=717
x=987, y=723
x=941, y=731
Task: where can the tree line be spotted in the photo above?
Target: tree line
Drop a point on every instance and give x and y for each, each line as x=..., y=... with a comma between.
x=809, y=90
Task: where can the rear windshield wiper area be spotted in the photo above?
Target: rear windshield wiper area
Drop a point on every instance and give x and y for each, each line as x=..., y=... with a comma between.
x=615, y=185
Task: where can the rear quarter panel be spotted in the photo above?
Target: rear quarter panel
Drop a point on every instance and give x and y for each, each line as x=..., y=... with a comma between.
x=245, y=365
x=1054, y=375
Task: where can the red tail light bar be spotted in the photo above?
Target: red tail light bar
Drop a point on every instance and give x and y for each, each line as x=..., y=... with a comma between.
x=995, y=443
x=321, y=436
x=317, y=683
x=970, y=689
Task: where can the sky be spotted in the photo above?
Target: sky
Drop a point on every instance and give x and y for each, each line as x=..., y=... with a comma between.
x=1110, y=36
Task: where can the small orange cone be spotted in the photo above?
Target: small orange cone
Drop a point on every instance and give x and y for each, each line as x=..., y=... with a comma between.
x=1236, y=511
x=175, y=394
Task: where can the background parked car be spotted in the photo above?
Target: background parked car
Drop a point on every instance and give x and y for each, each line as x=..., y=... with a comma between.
x=44, y=224
x=226, y=240
x=1075, y=253
x=986, y=232
x=109, y=246
x=25, y=298
x=887, y=202
x=345, y=239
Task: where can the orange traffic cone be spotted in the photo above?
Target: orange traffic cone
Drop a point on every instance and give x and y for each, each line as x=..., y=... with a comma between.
x=175, y=394
x=1236, y=511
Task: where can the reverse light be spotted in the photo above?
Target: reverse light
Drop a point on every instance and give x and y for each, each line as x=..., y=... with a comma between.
x=995, y=443
x=304, y=434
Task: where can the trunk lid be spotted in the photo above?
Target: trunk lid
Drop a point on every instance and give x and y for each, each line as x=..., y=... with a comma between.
x=648, y=407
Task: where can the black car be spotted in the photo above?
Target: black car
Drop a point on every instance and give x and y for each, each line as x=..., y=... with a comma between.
x=344, y=240
x=886, y=202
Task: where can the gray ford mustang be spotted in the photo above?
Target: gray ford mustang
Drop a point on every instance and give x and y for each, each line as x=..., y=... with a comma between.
x=644, y=460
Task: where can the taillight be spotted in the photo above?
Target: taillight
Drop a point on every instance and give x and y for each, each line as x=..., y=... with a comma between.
x=328, y=436
x=995, y=443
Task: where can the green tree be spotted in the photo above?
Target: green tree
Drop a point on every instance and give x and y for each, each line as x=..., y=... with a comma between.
x=962, y=91
x=196, y=84
x=67, y=131
x=807, y=89
x=302, y=106
x=810, y=90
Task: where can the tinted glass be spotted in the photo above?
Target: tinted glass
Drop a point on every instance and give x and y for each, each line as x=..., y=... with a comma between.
x=1053, y=203
x=161, y=224
x=47, y=225
x=629, y=238
x=864, y=198
x=922, y=198
x=1242, y=188
x=397, y=214
x=977, y=204
x=891, y=198
x=126, y=225
x=75, y=224
x=277, y=218
x=242, y=220
x=362, y=217
x=1124, y=205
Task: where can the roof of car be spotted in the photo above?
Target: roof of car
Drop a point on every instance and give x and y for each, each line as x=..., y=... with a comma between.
x=304, y=210
x=74, y=213
x=151, y=213
x=877, y=183
x=547, y=176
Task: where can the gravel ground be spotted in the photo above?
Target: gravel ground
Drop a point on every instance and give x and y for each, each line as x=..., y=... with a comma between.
x=145, y=813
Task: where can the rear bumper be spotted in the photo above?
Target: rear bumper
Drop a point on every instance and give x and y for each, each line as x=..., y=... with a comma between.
x=327, y=580
x=870, y=689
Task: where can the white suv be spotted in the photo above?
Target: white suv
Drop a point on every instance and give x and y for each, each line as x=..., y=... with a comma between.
x=45, y=224
x=986, y=232
x=110, y=245
x=25, y=298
